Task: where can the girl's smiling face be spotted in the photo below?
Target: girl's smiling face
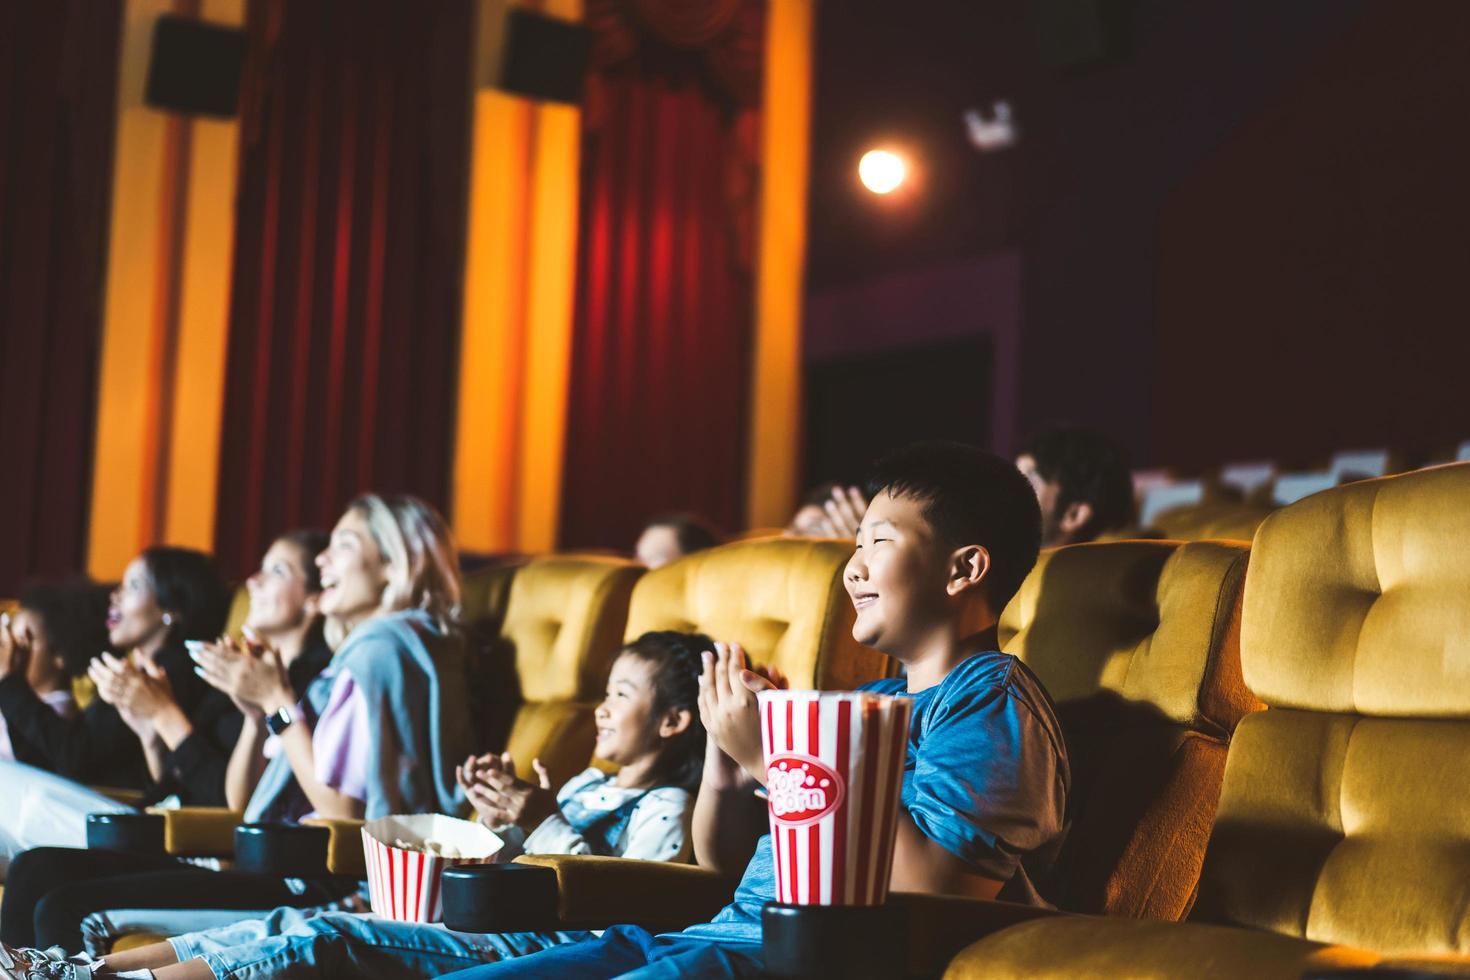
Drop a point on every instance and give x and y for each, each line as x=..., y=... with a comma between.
x=627, y=730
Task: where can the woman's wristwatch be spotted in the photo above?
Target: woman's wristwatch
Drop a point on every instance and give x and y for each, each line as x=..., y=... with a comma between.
x=281, y=720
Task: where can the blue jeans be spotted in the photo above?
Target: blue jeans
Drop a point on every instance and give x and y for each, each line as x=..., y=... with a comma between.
x=289, y=943
x=628, y=951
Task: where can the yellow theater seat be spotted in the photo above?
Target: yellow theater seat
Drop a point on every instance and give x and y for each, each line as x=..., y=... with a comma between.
x=1138, y=644
x=1343, y=830
x=1228, y=520
x=780, y=598
x=563, y=623
x=239, y=609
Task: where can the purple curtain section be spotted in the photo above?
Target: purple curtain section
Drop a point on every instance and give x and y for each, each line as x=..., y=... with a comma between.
x=349, y=246
x=58, y=89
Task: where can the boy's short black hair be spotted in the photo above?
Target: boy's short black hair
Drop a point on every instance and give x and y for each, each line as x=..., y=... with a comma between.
x=969, y=496
x=1088, y=467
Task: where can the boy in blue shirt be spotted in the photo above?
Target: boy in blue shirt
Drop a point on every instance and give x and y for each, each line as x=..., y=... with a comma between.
x=949, y=536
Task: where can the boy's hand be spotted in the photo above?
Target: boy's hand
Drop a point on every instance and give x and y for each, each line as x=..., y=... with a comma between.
x=728, y=709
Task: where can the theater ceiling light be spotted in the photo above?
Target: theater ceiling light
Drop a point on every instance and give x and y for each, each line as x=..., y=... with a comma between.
x=881, y=171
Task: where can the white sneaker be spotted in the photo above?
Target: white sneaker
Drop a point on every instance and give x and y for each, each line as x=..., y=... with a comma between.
x=41, y=964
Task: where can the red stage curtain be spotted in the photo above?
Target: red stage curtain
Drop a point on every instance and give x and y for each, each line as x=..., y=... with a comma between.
x=345, y=305
x=58, y=89
x=662, y=331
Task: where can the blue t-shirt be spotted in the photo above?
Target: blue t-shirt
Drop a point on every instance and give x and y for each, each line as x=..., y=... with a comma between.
x=986, y=777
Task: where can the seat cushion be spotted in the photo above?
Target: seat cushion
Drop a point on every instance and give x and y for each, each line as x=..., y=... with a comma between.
x=1088, y=948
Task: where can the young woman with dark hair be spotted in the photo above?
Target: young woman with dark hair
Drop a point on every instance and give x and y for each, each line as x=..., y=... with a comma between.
x=154, y=725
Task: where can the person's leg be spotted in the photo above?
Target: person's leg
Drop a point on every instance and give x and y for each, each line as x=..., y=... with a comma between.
x=190, y=970
x=37, y=871
x=673, y=957
x=150, y=957
x=191, y=945
x=45, y=810
x=362, y=946
x=59, y=915
x=620, y=950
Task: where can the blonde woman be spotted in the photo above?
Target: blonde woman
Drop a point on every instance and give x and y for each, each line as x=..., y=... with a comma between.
x=380, y=730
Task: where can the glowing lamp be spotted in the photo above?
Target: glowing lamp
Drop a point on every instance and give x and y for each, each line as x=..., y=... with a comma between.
x=881, y=171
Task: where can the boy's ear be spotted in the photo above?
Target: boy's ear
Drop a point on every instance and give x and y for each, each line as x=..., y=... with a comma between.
x=968, y=568
x=676, y=722
x=1075, y=517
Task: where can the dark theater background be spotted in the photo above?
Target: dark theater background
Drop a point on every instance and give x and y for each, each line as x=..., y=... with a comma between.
x=1222, y=231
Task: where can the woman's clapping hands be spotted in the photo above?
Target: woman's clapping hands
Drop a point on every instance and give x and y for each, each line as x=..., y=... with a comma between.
x=250, y=672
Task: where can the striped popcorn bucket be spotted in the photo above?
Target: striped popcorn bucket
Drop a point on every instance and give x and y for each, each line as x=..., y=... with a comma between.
x=834, y=769
x=403, y=882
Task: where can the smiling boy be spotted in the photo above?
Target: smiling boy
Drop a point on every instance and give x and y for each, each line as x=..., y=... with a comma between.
x=949, y=536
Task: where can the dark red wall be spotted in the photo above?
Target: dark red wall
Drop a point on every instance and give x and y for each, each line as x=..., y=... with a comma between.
x=58, y=90
x=1313, y=272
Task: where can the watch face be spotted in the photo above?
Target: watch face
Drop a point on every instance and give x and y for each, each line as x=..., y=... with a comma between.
x=279, y=721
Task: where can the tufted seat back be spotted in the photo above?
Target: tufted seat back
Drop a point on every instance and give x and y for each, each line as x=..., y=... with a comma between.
x=1211, y=520
x=563, y=623
x=782, y=599
x=1137, y=643
x=239, y=610
x=1345, y=813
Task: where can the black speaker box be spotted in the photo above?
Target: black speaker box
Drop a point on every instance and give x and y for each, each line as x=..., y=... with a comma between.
x=544, y=58
x=195, y=67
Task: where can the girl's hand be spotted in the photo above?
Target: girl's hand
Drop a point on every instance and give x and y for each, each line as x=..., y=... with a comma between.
x=500, y=798
x=728, y=708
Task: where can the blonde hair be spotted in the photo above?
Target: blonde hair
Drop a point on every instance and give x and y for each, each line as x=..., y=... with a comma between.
x=419, y=552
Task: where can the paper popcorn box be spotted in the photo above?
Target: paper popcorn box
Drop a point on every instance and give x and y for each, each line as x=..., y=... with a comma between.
x=834, y=769
x=403, y=882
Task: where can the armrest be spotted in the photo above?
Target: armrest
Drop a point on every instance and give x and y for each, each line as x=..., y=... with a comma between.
x=120, y=794
x=1416, y=968
x=199, y=831
x=344, y=847
x=596, y=892
x=550, y=892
